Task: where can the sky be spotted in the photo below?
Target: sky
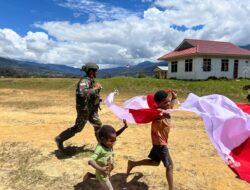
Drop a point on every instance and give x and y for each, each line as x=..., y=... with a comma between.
x=115, y=32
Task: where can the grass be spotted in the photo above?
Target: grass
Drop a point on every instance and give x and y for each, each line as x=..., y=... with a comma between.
x=26, y=105
x=136, y=86
x=42, y=84
x=19, y=160
x=31, y=162
x=229, y=88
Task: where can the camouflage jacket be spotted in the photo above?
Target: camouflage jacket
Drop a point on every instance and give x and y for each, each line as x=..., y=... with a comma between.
x=87, y=98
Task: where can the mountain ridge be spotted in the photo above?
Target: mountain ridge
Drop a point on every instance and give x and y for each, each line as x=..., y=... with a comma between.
x=17, y=68
x=143, y=69
x=245, y=47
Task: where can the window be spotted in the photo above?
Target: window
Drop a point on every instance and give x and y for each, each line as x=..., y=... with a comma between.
x=174, y=66
x=188, y=65
x=224, y=65
x=206, y=64
x=247, y=62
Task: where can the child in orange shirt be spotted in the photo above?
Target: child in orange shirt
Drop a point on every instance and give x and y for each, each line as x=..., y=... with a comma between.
x=159, y=135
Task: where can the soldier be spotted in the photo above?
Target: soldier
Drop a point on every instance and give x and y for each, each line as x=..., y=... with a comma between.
x=87, y=104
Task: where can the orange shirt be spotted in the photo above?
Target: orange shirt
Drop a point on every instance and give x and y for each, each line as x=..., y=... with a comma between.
x=159, y=131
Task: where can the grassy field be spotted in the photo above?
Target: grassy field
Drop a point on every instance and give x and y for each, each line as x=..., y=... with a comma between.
x=134, y=86
x=34, y=111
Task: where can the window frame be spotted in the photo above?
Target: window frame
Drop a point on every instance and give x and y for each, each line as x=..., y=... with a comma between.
x=207, y=65
x=188, y=65
x=224, y=65
x=174, y=66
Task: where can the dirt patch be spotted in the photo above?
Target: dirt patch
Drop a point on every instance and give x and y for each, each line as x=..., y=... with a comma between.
x=29, y=159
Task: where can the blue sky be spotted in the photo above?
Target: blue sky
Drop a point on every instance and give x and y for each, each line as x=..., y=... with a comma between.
x=114, y=32
x=20, y=15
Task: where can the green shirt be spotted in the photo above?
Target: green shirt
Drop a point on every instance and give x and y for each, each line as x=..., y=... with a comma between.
x=103, y=157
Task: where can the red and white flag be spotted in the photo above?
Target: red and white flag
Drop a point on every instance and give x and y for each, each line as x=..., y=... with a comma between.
x=228, y=127
x=227, y=124
x=140, y=109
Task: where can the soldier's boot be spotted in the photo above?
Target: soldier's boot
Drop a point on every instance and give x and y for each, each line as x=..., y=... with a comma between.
x=65, y=135
x=59, y=143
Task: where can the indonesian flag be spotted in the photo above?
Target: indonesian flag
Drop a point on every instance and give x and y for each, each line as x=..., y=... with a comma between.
x=228, y=127
x=227, y=124
x=140, y=109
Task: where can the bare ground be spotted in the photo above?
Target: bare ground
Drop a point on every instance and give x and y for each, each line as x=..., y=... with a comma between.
x=29, y=159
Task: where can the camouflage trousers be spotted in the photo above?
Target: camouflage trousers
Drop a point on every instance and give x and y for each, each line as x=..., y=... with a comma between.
x=83, y=116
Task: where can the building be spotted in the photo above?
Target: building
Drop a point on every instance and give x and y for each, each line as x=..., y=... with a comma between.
x=201, y=59
x=161, y=71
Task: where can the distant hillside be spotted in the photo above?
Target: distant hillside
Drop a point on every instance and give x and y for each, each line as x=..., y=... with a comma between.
x=246, y=47
x=145, y=68
x=15, y=68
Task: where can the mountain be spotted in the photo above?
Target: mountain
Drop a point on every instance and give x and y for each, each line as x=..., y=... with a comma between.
x=16, y=68
x=246, y=47
x=145, y=68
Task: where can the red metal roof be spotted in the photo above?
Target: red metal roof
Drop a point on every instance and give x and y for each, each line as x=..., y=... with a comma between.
x=206, y=47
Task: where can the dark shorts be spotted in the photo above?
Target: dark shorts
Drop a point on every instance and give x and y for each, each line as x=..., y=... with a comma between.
x=160, y=153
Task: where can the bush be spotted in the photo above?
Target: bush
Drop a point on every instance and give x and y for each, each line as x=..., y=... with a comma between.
x=157, y=76
x=141, y=75
x=212, y=78
x=223, y=78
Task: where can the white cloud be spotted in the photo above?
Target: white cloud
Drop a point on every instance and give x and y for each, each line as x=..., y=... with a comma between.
x=95, y=10
x=38, y=41
x=147, y=1
x=130, y=39
x=12, y=45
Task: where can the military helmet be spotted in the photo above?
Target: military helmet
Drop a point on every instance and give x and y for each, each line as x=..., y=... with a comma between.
x=89, y=66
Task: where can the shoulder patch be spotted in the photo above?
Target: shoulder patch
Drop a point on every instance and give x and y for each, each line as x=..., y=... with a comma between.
x=83, y=84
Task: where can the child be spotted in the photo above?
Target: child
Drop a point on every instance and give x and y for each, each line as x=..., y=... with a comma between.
x=103, y=158
x=159, y=135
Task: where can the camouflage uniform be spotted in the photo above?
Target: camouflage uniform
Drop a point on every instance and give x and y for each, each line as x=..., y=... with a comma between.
x=87, y=104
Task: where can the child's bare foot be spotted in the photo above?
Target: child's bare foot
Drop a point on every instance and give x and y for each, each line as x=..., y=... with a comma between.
x=129, y=167
x=88, y=175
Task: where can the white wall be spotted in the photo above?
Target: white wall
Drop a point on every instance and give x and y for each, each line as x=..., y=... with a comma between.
x=244, y=69
x=181, y=74
x=198, y=73
x=215, y=69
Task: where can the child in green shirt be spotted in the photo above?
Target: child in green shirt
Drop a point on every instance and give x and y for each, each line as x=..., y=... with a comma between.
x=103, y=158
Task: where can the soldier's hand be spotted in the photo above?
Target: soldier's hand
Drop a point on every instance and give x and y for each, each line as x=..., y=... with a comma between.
x=98, y=86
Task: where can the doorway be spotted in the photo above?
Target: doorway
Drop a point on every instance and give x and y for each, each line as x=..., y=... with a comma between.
x=236, y=64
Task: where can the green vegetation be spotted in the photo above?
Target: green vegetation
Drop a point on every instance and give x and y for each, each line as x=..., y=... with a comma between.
x=27, y=104
x=19, y=161
x=136, y=86
x=38, y=83
x=25, y=69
